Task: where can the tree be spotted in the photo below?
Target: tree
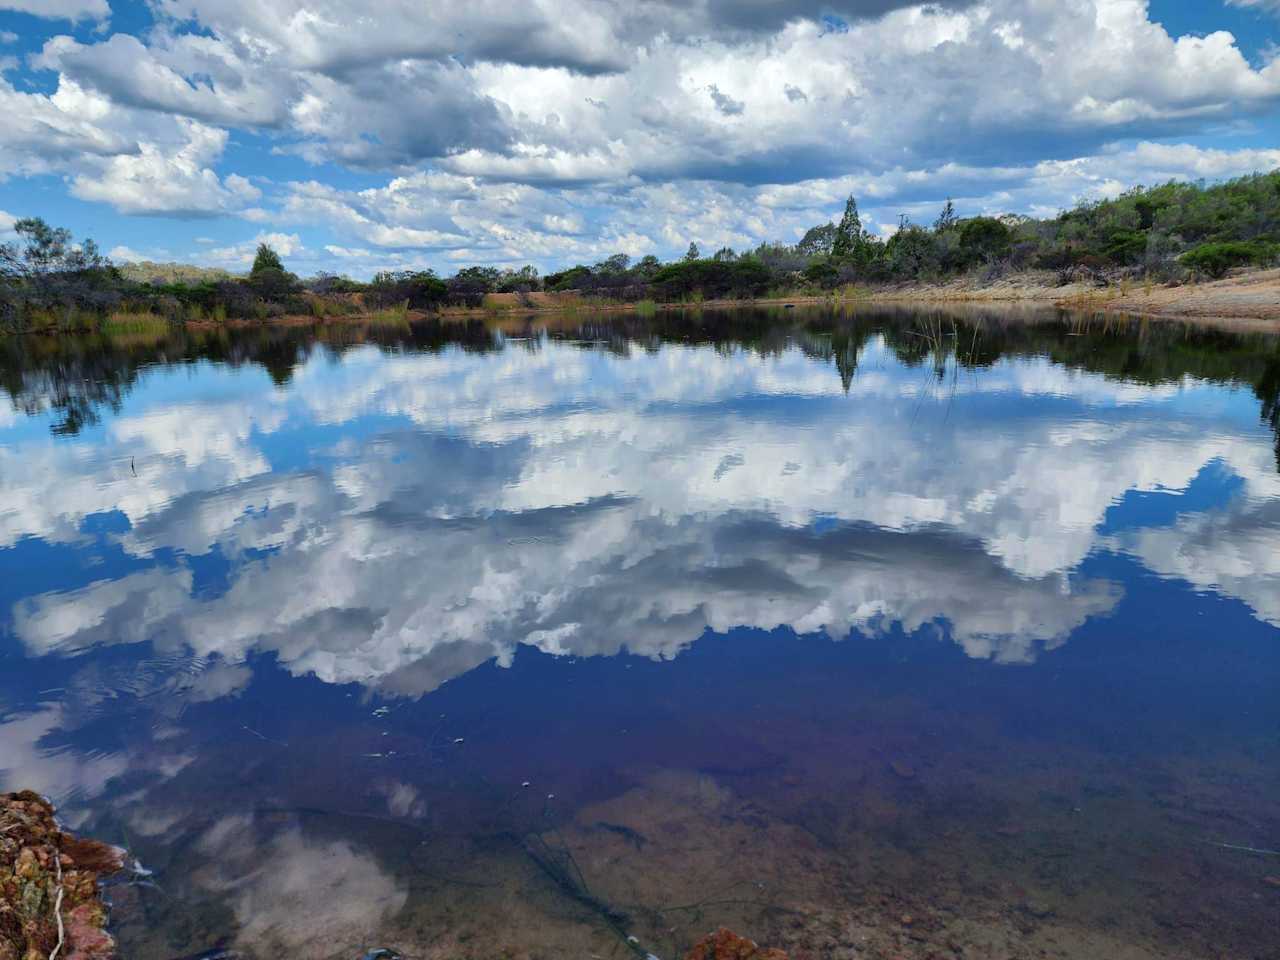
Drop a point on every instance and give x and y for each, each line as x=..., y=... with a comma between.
x=417, y=289
x=817, y=241
x=647, y=267
x=848, y=237
x=821, y=272
x=947, y=219
x=470, y=284
x=266, y=259
x=618, y=263
x=523, y=280
x=45, y=269
x=985, y=239
x=724, y=255
x=45, y=252
x=268, y=277
x=571, y=279
x=693, y=253
x=912, y=251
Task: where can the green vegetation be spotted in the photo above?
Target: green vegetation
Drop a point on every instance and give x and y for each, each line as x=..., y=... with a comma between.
x=121, y=322
x=1169, y=233
x=1216, y=259
x=393, y=316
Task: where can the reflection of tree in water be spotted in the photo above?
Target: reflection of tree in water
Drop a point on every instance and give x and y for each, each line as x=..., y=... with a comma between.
x=1268, y=391
x=842, y=346
x=77, y=377
x=76, y=384
x=1132, y=351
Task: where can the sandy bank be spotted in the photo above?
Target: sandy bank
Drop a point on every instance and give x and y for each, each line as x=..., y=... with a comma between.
x=1250, y=299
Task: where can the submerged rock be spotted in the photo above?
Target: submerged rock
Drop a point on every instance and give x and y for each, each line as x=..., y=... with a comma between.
x=902, y=769
x=49, y=892
x=727, y=945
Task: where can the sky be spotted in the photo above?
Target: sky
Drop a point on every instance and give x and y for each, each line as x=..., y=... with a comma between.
x=403, y=134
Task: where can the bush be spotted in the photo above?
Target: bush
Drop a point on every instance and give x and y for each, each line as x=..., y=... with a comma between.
x=468, y=286
x=416, y=289
x=572, y=279
x=1216, y=259
x=912, y=251
x=274, y=285
x=713, y=279
x=984, y=240
x=1125, y=247
x=329, y=284
x=822, y=273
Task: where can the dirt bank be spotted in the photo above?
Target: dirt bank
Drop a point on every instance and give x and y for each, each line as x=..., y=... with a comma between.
x=1250, y=299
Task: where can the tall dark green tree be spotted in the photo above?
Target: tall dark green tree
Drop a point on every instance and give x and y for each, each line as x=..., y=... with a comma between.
x=849, y=236
x=268, y=277
x=693, y=253
x=947, y=219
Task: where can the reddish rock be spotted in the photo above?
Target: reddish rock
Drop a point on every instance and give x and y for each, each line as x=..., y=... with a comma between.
x=37, y=860
x=727, y=945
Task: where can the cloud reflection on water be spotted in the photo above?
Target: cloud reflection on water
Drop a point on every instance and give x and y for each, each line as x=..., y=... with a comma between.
x=585, y=503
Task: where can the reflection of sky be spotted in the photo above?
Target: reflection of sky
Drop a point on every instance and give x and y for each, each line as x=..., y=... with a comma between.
x=383, y=508
x=396, y=522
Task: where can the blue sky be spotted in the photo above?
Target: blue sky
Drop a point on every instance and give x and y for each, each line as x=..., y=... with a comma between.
x=439, y=134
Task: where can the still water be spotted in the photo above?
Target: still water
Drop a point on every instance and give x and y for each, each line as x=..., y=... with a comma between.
x=869, y=635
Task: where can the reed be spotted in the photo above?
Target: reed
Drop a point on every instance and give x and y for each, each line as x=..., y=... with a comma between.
x=397, y=316
x=123, y=322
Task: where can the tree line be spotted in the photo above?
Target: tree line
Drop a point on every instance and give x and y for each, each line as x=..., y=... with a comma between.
x=1168, y=233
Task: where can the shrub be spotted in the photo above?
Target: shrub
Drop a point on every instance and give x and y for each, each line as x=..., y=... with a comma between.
x=1124, y=247
x=984, y=239
x=274, y=285
x=1216, y=259
x=911, y=252
x=417, y=289
x=822, y=273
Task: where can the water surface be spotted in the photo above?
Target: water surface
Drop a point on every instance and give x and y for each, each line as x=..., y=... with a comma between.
x=868, y=634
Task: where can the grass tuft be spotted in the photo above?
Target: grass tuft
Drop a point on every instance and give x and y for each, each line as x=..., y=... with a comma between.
x=134, y=322
x=397, y=316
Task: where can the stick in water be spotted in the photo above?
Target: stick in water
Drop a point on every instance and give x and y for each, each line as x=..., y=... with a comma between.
x=57, y=908
x=1243, y=849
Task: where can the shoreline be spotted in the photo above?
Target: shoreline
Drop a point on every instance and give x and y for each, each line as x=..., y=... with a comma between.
x=1248, y=300
x=1245, y=300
